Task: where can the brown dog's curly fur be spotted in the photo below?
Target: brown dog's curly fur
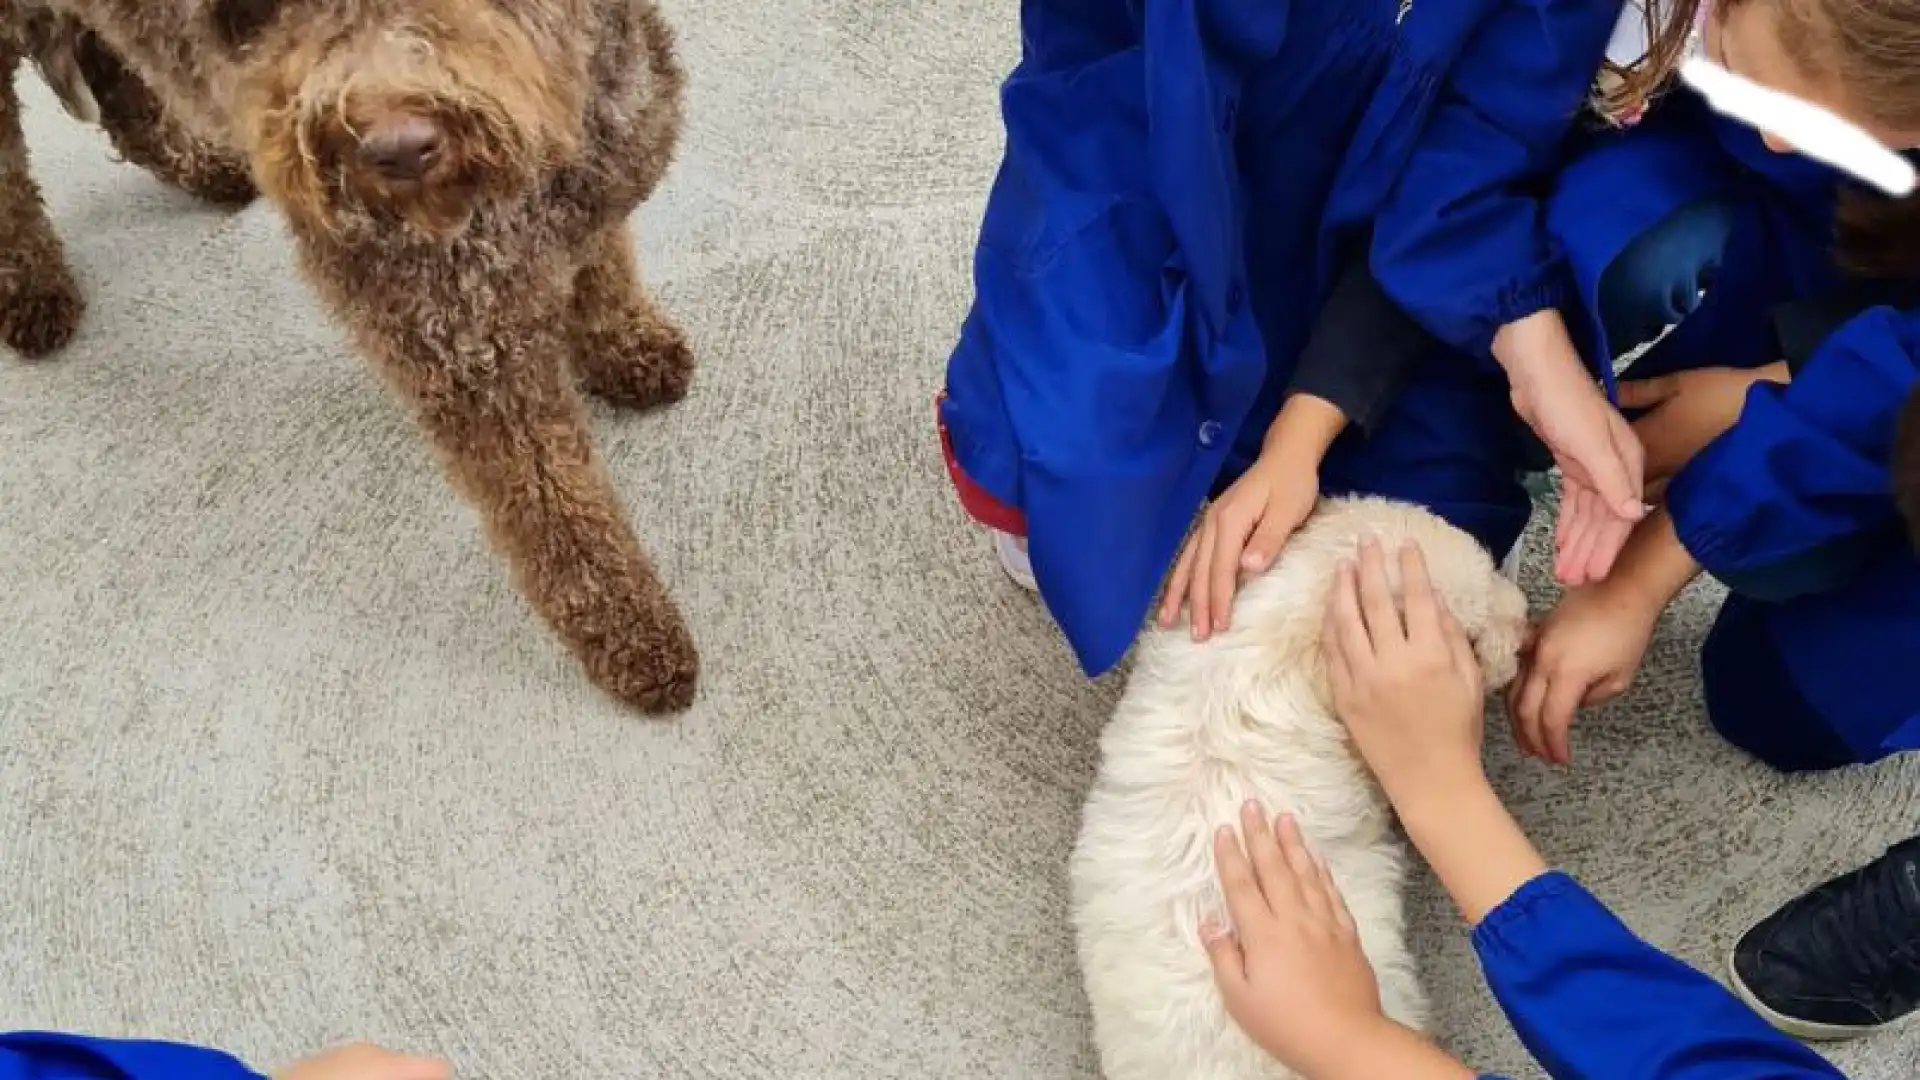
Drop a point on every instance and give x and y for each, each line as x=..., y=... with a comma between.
x=473, y=279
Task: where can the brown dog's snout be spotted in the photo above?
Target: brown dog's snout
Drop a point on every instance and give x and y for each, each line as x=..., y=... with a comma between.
x=404, y=148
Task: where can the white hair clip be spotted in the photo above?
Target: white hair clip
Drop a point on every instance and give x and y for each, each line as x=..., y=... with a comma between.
x=1812, y=130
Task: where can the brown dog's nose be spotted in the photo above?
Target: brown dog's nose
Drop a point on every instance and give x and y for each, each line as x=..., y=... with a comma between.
x=402, y=149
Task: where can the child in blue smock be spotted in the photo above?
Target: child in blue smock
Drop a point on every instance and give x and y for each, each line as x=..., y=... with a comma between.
x=1188, y=189
x=1837, y=961
x=1588, y=998
x=1771, y=407
x=36, y=1055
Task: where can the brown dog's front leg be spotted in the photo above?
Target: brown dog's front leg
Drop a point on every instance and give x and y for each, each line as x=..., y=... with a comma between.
x=147, y=135
x=625, y=350
x=480, y=358
x=40, y=303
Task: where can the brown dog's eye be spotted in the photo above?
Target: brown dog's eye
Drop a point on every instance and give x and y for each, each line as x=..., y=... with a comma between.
x=240, y=21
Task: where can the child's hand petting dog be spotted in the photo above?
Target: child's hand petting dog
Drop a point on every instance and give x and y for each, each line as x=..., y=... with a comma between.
x=1244, y=529
x=1409, y=689
x=1291, y=971
x=364, y=1061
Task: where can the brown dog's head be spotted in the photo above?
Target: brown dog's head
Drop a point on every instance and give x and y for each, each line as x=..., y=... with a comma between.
x=1906, y=465
x=397, y=113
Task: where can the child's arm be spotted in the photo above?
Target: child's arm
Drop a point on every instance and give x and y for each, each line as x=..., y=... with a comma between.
x=1461, y=242
x=1587, y=997
x=45, y=1055
x=1359, y=353
x=1361, y=349
x=40, y=1055
x=1782, y=502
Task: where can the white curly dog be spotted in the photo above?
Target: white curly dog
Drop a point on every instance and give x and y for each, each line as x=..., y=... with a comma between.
x=1203, y=728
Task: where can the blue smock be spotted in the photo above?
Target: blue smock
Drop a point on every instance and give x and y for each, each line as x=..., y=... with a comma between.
x=1589, y=1000
x=1179, y=177
x=44, y=1055
x=1793, y=507
x=1592, y=1001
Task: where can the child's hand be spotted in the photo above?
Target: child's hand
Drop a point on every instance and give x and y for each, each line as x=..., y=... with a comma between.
x=1409, y=691
x=364, y=1061
x=1291, y=973
x=1689, y=409
x=1597, y=451
x=1588, y=537
x=1585, y=653
x=1242, y=532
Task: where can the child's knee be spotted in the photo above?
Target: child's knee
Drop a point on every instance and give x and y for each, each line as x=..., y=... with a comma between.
x=1658, y=279
x=1753, y=703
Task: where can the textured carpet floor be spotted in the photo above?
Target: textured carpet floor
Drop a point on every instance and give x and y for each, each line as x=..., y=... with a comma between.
x=284, y=760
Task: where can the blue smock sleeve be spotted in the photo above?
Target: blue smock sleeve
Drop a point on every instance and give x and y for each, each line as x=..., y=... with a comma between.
x=1461, y=241
x=1589, y=999
x=1799, y=491
x=42, y=1055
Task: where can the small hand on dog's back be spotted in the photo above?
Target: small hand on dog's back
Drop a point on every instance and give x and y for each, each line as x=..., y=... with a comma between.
x=1203, y=729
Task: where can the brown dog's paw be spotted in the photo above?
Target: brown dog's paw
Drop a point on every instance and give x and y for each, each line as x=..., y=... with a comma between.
x=637, y=366
x=651, y=663
x=41, y=319
x=220, y=181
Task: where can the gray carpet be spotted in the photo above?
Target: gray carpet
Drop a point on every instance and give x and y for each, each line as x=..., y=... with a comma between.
x=283, y=760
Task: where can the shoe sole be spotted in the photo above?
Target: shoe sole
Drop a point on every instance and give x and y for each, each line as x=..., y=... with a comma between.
x=1019, y=575
x=1806, y=1030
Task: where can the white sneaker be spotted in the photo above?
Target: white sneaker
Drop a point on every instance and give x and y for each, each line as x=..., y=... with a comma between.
x=1012, y=551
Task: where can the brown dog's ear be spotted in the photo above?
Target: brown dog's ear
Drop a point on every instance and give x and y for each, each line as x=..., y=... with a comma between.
x=1906, y=465
x=240, y=21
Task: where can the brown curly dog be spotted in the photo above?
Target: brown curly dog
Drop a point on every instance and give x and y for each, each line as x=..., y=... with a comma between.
x=458, y=176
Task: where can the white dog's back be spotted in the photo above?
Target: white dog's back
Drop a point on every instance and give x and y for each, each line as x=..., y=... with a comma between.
x=1201, y=729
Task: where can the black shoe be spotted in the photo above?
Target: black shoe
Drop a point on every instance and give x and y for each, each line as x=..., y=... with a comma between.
x=1842, y=960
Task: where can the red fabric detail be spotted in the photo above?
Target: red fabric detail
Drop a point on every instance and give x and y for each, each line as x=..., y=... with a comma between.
x=979, y=505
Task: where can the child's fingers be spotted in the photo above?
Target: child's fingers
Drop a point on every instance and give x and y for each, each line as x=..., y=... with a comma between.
x=1556, y=718
x=1574, y=531
x=1459, y=649
x=1609, y=538
x=1615, y=469
x=1527, y=700
x=1227, y=540
x=1331, y=645
x=1269, y=536
x=1356, y=647
x=1384, y=628
x=1246, y=905
x=1177, y=586
x=1336, y=903
x=418, y=1068
x=1229, y=963
x=1271, y=867
x=1423, y=608
x=1199, y=594
x=1301, y=872
x=1646, y=393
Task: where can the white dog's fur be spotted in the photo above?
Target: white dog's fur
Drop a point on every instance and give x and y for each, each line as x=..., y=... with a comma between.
x=1201, y=729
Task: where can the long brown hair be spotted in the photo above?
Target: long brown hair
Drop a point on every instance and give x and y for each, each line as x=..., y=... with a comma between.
x=1626, y=91
x=1872, y=49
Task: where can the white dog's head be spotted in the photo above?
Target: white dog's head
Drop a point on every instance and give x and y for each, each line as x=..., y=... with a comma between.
x=1291, y=599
